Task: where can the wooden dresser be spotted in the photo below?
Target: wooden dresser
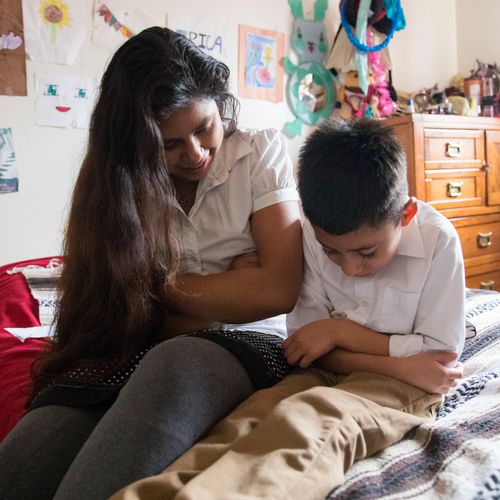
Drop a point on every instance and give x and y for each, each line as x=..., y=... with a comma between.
x=454, y=165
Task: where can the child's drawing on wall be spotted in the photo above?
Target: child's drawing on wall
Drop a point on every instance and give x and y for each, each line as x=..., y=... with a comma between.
x=115, y=21
x=64, y=100
x=260, y=68
x=259, y=56
x=54, y=30
x=211, y=37
x=55, y=15
x=8, y=170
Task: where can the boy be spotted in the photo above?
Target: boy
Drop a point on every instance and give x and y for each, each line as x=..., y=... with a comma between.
x=386, y=262
x=380, y=317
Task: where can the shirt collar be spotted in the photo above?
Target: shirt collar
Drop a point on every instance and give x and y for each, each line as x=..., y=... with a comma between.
x=233, y=149
x=411, y=244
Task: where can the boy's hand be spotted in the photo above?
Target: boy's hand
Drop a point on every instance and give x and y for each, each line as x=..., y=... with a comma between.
x=434, y=371
x=309, y=343
x=250, y=259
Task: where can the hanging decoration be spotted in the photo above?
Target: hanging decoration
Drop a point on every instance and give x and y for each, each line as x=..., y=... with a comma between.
x=310, y=87
x=397, y=23
x=112, y=21
x=361, y=59
x=115, y=21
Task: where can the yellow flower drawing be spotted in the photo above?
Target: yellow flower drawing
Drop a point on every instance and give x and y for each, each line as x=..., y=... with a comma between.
x=54, y=13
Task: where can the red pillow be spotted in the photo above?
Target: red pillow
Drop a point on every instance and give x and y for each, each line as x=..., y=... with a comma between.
x=17, y=309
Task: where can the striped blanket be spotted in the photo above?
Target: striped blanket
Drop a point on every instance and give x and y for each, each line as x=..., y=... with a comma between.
x=458, y=455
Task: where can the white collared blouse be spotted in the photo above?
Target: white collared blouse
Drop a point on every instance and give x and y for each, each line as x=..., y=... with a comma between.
x=418, y=297
x=251, y=171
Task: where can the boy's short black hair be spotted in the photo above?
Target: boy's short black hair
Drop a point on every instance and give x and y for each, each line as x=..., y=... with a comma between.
x=352, y=173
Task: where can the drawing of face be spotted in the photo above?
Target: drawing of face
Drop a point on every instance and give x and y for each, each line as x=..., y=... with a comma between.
x=63, y=100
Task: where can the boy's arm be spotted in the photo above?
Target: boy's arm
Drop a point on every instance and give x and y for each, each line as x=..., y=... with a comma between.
x=433, y=372
x=319, y=337
x=440, y=320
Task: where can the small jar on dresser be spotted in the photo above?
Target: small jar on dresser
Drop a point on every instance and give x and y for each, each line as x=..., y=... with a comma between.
x=454, y=165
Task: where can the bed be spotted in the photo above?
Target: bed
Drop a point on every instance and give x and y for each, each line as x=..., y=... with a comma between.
x=457, y=456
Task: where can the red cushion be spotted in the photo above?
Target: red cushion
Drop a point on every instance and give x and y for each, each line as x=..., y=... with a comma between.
x=17, y=309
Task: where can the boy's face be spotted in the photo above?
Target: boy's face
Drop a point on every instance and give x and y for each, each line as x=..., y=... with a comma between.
x=361, y=253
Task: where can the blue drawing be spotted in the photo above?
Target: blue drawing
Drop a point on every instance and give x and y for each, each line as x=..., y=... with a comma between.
x=260, y=57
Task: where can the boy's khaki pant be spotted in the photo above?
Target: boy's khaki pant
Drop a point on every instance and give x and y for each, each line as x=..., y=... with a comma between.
x=295, y=440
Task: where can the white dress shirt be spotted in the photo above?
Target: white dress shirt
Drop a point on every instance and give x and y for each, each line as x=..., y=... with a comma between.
x=418, y=297
x=251, y=171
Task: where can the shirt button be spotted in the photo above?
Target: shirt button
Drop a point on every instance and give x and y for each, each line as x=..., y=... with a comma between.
x=335, y=314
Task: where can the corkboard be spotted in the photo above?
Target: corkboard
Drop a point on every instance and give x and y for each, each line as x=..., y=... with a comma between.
x=12, y=49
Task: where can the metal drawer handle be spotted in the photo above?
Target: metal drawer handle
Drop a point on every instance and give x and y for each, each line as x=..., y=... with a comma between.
x=484, y=239
x=487, y=285
x=454, y=189
x=453, y=149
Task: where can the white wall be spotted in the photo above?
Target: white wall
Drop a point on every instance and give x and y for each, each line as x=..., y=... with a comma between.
x=478, y=33
x=32, y=220
x=425, y=52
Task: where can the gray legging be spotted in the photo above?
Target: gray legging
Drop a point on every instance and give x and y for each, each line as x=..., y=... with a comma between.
x=180, y=389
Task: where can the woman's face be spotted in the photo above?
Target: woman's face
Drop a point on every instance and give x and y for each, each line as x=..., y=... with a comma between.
x=192, y=136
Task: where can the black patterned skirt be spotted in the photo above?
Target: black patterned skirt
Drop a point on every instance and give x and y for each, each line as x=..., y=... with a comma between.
x=95, y=382
x=261, y=354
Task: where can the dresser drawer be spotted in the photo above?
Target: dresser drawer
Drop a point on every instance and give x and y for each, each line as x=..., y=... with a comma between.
x=486, y=281
x=480, y=243
x=453, y=148
x=458, y=189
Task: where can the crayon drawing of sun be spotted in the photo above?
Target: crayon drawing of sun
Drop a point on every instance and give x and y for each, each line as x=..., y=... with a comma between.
x=54, y=13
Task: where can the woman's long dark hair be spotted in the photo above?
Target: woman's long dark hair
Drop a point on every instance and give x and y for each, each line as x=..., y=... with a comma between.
x=121, y=245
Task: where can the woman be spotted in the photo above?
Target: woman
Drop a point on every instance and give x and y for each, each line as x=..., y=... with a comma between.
x=179, y=223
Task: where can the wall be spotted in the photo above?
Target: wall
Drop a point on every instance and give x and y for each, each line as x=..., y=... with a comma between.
x=425, y=52
x=48, y=158
x=32, y=220
x=478, y=33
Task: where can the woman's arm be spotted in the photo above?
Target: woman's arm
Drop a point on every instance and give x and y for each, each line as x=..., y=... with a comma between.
x=251, y=293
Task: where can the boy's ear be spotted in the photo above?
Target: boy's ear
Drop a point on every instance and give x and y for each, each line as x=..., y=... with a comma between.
x=409, y=211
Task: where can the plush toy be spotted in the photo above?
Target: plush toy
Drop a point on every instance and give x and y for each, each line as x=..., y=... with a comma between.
x=350, y=97
x=385, y=104
x=360, y=44
x=310, y=87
